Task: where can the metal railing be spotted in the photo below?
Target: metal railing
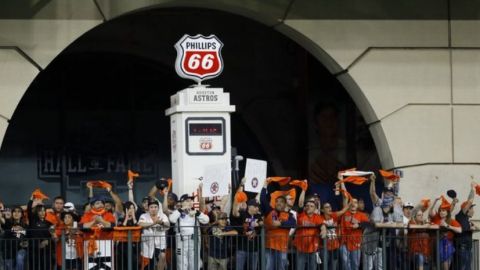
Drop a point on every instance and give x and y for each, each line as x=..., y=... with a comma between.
x=390, y=247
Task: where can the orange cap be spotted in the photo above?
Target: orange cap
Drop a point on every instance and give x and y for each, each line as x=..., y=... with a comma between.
x=445, y=204
x=132, y=175
x=241, y=197
x=281, y=180
x=39, y=195
x=303, y=184
x=99, y=184
x=389, y=175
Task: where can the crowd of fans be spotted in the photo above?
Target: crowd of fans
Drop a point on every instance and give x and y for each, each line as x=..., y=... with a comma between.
x=297, y=232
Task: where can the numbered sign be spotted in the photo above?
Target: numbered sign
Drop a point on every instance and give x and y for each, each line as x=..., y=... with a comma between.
x=198, y=57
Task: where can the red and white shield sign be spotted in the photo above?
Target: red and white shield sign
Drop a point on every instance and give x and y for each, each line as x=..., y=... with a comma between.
x=198, y=57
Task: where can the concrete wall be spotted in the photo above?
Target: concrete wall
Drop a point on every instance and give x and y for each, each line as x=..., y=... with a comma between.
x=416, y=82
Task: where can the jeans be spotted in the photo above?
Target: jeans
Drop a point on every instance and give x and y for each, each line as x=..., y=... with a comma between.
x=331, y=259
x=306, y=261
x=350, y=259
x=276, y=260
x=464, y=257
x=250, y=258
x=373, y=261
x=421, y=261
x=19, y=261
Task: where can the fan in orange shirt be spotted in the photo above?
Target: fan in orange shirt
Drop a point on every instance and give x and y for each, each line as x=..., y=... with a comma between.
x=278, y=224
x=97, y=224
x=351, y=230
x=309, y=228
x=448, y=227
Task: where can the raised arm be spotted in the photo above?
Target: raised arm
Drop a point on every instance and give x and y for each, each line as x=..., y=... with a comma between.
x=90, y=191
x=432, y=212
x=131, y=197
x=345, y=201
x=373, y=194
x=301, y=199
x=153, y=191
x=236, y=205
x=203, y=205
x=471, y=196
x=116, y=200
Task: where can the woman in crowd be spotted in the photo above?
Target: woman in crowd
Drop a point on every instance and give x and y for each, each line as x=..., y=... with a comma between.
x=40, y=246
x=419, y=241
x=127, y=219
x=448, y=227
x=73, y=242
x=15, y=240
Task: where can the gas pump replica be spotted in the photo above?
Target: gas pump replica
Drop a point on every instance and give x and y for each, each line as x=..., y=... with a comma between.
x=199, y=115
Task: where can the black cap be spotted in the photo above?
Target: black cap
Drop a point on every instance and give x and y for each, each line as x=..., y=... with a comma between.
x=173, y=196
x=214, y=206
x=145, y=199
x=161, y=184
x=253, y=202
x=185, y=197
x=451, y=193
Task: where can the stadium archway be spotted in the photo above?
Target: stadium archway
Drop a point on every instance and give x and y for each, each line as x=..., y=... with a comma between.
x=98, y=108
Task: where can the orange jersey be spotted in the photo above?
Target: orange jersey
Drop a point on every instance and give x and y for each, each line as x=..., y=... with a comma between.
x=450, y=235
x=90, y=216
x=307, y=239
x=352, y=237
x=76, y=239
x=277, y=237
x=419, y=242
x=332, y=231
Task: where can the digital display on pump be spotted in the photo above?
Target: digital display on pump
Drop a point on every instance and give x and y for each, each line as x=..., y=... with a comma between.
x=205, y=129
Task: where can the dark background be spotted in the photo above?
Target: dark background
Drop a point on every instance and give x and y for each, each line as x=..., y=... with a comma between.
x=98, y=108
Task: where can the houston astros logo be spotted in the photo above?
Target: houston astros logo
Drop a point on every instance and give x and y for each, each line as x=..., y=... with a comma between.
x=214, y=187
x=198, y=57
x=254, y=182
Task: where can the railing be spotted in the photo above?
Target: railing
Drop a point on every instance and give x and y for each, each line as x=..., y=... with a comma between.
x=385, y=247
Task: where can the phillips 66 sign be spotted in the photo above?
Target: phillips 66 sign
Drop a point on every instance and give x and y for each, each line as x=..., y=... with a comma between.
x=198, y=57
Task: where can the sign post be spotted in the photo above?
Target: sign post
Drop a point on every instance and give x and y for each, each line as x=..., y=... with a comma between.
x=200, y=115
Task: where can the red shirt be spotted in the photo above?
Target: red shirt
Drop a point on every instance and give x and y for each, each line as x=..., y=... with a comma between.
x=452, y=223
x=332, y=231
x=352, y=237
x=307, y=239
x=90, y=216
x=277, y=237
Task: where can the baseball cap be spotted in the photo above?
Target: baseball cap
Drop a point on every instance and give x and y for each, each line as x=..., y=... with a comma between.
x=69, y=206
x=97, y=199
x=161, y=184
x=215, y=206
x=253, y=202
x=173, y=196
x=185, y=197
x=408, y=204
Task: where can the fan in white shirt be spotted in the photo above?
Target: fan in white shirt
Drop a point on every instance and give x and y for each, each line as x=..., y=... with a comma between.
x=155, y=224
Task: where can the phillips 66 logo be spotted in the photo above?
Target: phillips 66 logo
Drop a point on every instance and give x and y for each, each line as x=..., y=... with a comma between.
x=198, y=57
